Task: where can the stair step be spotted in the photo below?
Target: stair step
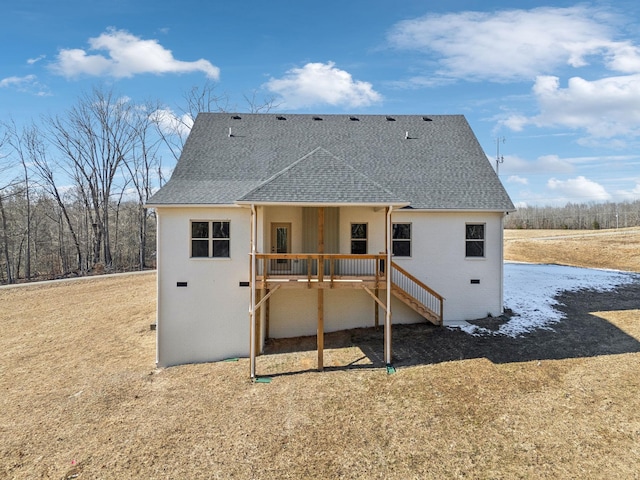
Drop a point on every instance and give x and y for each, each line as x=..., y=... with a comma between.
x=415, y=305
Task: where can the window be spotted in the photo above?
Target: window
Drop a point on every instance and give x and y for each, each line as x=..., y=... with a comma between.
x=474, y=240
x=401, y=239
x=220, y=239
x=199, y=239
x=210, y=239
x=358, y=238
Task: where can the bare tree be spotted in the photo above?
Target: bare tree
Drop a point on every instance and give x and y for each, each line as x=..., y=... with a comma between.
x=575, y=216
x=5, y=242
x=93, y=138
x=173, y=128
x=45, y=170
x=265, y=106
x=5, y=168
x=17, y=140
x=141, y=165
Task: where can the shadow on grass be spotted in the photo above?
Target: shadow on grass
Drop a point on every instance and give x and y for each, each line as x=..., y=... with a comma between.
x=579, y=335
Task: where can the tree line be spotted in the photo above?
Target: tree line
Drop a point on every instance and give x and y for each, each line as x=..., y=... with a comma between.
x=577, y=216
x=73, y=196
x=73, y=186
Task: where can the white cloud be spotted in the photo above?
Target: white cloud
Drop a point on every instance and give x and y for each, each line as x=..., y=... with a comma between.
x=548, y=164
x=32, y=61
x=625, y=58
x=513, y=45
x=629, y=195
x=579, y=188
x=605, y=108
x=170, y=123
x=17, y=82
x=322, y=83
x=26, y=84
x=515, y=122
x=126, y=55
x=517, y=179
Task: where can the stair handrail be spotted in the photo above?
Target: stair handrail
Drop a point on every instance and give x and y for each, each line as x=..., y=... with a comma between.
x=436, y=296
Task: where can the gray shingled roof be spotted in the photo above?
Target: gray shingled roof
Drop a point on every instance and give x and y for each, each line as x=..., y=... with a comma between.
x=320, y=177
x=334, y=160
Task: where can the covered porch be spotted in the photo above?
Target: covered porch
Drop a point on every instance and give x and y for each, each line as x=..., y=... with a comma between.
x=326, y=270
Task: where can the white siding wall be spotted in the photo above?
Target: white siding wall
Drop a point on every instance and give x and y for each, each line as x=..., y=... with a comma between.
x=207, y=320
x=438, y=259
x=294, y=312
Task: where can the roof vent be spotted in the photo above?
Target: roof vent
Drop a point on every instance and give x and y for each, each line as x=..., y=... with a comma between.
x=280, y=117
x=354, y=119
x=391, y=119
x=317, y=118
x=427, y=119
x=236, y=117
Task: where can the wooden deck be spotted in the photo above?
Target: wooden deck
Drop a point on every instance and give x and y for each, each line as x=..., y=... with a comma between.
x=371, y=273
x=320, y=271
x=331, y=271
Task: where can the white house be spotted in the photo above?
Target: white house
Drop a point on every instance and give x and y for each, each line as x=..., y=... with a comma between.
x=288, y=225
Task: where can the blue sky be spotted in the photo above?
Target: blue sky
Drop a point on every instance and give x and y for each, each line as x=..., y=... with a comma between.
x=559, y=82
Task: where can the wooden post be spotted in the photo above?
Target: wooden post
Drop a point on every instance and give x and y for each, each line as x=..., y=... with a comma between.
x=320, y=329
x=266, y=316
x=387, y=318
x=258, y=327
x=253, y=338
x=377, y=311
x=320, y=332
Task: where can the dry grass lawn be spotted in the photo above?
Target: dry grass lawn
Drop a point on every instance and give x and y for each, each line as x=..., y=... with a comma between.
x=617, y=249
x=81, y=398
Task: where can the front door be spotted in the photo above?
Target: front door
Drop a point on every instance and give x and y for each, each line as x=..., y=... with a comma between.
x=280, y=243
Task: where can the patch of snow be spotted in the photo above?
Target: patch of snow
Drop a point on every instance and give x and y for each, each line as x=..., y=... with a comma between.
x=530, y=291
x=471, y=329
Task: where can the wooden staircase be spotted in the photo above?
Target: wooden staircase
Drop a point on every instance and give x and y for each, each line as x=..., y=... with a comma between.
x=415, y=294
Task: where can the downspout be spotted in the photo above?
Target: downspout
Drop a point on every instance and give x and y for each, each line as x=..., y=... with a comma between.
x=159, y=297
x=252, y=305
x=387, y=318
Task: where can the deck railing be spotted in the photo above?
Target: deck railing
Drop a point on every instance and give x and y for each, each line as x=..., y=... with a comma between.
x=320, y=267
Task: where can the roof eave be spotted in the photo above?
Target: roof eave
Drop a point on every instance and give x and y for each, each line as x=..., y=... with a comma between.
x=394, y=204
x=464, y=210
x=191, y=205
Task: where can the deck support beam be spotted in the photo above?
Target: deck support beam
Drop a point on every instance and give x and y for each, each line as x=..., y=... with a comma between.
x=320, y=331
x=376, y=299
x=387, y=318
x=253, y=322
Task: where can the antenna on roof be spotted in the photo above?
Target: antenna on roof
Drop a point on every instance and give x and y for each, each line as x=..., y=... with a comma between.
x=499, y=158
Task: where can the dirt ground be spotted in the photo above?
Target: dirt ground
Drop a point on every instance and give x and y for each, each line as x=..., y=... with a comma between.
x=582, y=334
x=81, y=398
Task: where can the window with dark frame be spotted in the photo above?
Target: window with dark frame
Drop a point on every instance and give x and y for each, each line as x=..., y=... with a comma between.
x=401, y=240
x=210, y=239
x=220, y=239
x=358, y=238
x=474, y=239
x=199, y=239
